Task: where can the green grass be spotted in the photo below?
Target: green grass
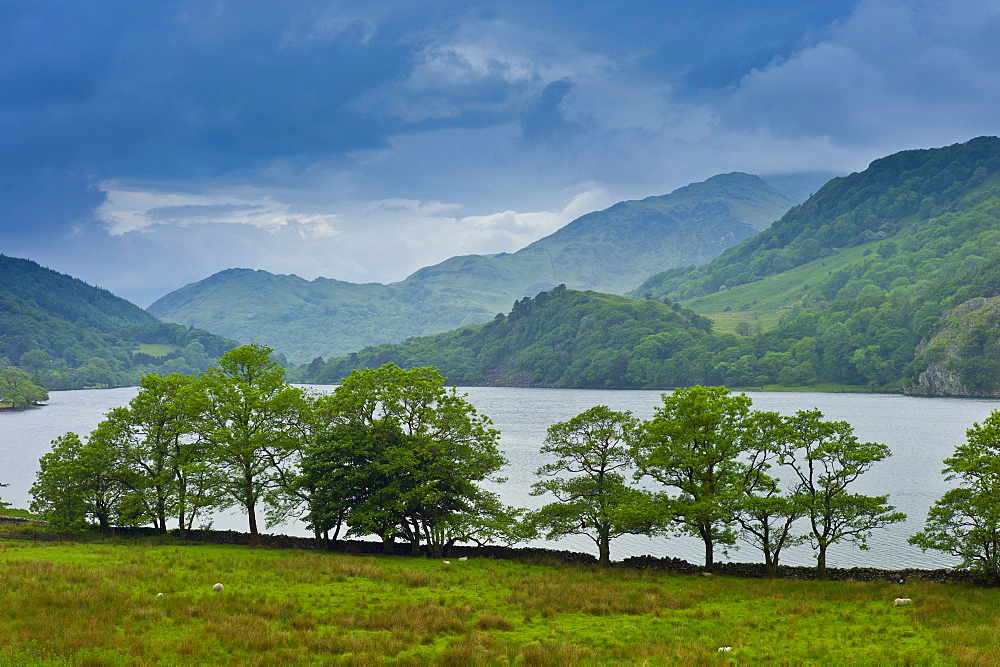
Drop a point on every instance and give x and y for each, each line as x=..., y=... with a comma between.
x=157, y=349
x=72, y=603
x=765, y=300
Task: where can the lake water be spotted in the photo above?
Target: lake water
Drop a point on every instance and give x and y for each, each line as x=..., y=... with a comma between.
x=919, y=431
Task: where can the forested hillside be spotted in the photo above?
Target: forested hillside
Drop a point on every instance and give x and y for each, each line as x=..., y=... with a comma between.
x=611, y=250
x=70, y=335
x=841, y=291
x=560, y=338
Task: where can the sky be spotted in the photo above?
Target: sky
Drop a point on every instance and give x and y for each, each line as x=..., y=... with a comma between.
x=145, y=145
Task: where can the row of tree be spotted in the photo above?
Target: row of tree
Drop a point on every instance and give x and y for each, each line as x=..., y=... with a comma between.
x=394, y=453
x=711, y=463
x=390, y=452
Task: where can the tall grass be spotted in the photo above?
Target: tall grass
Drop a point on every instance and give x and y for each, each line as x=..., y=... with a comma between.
x=99, y=605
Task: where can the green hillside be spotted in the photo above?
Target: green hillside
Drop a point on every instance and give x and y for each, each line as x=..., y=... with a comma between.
x=72, y=335
x=882, y=280
x=611, y=251
x=894, y=195
x=560, y=338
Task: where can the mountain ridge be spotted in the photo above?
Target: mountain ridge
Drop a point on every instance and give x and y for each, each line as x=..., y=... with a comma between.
x=610, y=250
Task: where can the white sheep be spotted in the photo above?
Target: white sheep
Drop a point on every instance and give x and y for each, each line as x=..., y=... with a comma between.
x=725, y=648
x=159, y=595
x=464, y=558
x=901, y=602
x=218, y=588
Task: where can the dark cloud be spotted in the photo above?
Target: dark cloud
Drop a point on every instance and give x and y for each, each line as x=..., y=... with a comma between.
x=294, y=122
x=542, y=117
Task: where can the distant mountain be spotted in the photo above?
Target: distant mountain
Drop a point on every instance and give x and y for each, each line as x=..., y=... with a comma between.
x=71, y=335
x=800, y=186
x=888, y=279
x=610, y=251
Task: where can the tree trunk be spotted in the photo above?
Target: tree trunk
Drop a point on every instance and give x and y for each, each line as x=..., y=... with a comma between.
x=254, y=534
x=181, y=524
x=821, y=562
x=604, y=549
x=388, y=544
x=770, y=567
x=706, y=536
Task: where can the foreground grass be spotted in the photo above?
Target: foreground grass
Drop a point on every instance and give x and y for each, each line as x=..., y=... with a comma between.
x=98, y=604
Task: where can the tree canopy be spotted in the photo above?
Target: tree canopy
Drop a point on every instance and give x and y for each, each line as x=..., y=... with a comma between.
x=965, y=521
x=410, y=453
x=588, y=478
x=255, y=425
x=827, y=458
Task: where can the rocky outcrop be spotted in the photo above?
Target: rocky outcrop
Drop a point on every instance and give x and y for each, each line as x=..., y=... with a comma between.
x=942, y=351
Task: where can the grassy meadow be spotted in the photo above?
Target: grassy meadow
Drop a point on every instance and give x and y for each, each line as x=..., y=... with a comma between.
x=99, y=604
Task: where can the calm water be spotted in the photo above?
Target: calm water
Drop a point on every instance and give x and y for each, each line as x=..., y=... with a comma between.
x=920, y=431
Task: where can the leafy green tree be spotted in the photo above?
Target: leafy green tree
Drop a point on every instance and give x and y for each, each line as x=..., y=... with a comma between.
x=592, y=452
x=827, y=458
x=337, y=475
x=696, y=445
x=410, y=454
x=76, y=485
x=255, y=425
x=19, y=390
x=163, y=460
x=35, y=360
x=767, y=512
x=965, y=521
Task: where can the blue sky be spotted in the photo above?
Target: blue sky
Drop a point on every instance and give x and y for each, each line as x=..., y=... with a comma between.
x=145, y=145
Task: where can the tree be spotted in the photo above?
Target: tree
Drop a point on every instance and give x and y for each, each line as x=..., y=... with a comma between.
x=694, y=445
x=254, y=424
x=766, y=513
x=965, y=521
x=19, y=390
x=409, y=452
x=592, y=453
x=163, y=460
x=827, y=458
x=76, y=485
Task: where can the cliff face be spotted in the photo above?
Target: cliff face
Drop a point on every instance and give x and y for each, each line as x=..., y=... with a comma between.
x=961, y=355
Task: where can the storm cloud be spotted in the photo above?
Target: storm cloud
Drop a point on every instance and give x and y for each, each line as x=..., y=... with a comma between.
x=147, y=145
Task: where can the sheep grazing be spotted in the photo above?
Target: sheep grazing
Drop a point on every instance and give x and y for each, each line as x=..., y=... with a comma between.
x=218, y=588
x=464, y=558
x=901, y=602
x=447, y=562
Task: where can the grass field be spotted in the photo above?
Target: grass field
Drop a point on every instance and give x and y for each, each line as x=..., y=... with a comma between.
x=99, y=604
x=762, y=303
x=157, y=349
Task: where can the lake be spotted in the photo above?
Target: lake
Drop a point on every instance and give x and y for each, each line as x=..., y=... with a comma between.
x=921, y=432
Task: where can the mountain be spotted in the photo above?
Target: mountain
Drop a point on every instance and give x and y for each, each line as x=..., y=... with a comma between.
x=560, y=338
x=893, y=196
x=611, y=250
x=71, y=335
x=887, y=279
